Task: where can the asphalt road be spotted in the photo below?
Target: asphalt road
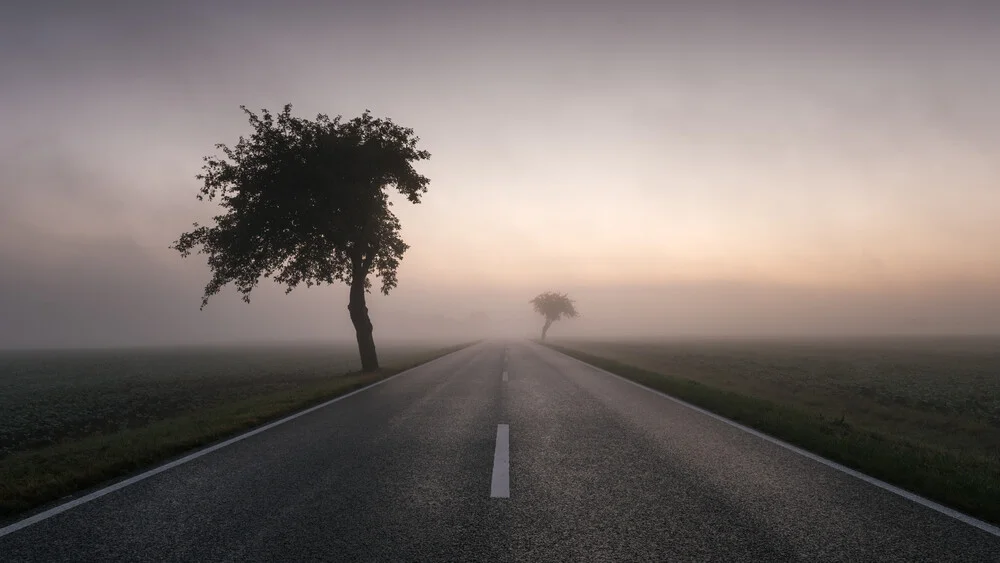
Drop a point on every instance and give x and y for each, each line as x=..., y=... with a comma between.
x=410, y=470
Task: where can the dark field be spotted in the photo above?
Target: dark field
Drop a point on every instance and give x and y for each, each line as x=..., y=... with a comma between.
x=69, y=419
x=49, y=396
x=921, y=413
x=942, y=392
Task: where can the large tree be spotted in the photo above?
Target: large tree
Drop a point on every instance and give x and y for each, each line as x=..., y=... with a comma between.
x=307, y=201
x=553, y=306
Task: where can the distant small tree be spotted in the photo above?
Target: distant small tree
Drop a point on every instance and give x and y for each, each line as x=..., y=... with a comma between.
x=306, y=202
x=553, y=306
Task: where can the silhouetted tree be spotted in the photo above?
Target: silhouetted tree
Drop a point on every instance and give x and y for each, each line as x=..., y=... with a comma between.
x=553, y=306
x=306, y=202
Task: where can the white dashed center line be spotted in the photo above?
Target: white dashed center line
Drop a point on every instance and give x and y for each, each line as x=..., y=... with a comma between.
x=500, y=488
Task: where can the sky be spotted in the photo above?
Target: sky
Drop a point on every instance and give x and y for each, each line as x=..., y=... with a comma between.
x=694, y=168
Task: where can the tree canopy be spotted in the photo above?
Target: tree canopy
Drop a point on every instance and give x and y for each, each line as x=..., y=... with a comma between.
x=553, y=306
x=307, y=201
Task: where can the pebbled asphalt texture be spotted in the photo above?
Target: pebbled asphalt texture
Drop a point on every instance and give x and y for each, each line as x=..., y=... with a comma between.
x=600, y=470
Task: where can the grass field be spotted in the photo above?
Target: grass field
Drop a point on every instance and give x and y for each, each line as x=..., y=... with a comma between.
x=71, y=419
x=921, y=413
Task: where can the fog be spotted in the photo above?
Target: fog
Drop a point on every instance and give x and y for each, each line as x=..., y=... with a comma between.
x=680, y=169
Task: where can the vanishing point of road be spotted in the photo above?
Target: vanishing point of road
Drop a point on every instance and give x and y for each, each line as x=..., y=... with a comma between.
x=503, y=451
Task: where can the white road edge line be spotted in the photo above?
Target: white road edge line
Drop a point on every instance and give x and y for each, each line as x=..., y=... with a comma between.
x=500, y=487
x=965, y=518
x=21, y=524
x=505, y=375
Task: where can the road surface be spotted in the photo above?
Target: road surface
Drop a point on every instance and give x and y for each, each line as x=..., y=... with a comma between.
x=504, y=451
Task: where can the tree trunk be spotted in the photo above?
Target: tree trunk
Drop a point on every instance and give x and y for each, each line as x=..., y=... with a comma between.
x=545, y=328
x=362, y=325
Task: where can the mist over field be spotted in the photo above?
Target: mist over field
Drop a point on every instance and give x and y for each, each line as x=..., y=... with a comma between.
x=680, y=169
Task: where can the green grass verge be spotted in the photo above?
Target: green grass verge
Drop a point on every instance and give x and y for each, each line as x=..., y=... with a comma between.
x=968, y=483
x=32, y=478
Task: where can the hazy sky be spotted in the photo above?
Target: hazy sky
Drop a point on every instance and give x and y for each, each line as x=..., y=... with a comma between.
x=680, y=167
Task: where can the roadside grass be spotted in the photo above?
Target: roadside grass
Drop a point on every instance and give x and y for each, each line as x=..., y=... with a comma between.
x=53, y=396
x=33, y=477
x=965, y=479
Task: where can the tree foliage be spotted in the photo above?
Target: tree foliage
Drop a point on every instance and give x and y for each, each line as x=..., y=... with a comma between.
x=307, y=201
x=553, y=306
